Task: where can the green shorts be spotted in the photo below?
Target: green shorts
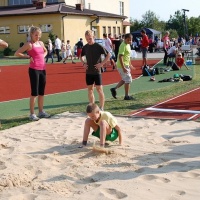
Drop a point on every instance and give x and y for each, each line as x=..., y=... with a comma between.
x=111, y=137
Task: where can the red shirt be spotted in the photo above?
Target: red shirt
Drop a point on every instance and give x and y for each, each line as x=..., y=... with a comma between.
x=145, y=41
x=180, y=62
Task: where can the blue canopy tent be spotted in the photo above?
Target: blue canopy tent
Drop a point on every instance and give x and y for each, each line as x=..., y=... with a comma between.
x=150, y=32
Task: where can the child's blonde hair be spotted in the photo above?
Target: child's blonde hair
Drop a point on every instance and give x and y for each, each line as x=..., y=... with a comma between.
x=33, y=29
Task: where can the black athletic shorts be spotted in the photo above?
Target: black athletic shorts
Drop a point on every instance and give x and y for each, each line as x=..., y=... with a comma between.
x=37, y=81
x=93, y=79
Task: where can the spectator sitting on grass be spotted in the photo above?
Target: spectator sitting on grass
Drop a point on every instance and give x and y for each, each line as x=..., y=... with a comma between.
x=179, y=62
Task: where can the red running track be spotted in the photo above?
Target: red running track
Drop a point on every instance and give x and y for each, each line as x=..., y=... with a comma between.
x=60, y=78
x=182, y=107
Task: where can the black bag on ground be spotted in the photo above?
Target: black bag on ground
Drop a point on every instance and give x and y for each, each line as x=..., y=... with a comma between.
x=186, y=77
x=159, y=70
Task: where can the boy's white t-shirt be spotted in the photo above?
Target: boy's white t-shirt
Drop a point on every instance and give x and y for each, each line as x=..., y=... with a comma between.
x=108, y=44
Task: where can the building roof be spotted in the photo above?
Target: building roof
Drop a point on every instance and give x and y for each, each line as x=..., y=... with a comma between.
x=125, y=23
x=52, y=9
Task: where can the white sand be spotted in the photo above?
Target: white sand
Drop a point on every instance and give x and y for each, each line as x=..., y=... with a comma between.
x=159, y=160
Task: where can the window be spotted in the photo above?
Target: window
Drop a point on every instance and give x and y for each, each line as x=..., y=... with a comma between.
x=23, y=29
x=118, y=30
x=46, y=27
x=4, y=29
x=121, y=8
x=109, y=29
x=114, y=30
x=104, y=29
x=89, y=6
x=19, y=2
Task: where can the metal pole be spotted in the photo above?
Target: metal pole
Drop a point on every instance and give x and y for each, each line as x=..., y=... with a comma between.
x=185, y=24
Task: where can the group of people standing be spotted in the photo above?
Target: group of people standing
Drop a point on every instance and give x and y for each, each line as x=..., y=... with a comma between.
x=170, y=51
x=91, y=58
x=63, y=50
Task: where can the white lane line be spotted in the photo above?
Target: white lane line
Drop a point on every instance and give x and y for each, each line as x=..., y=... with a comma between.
x=175, y=97
x=173, y=110
x=165, y=101
x=190, y=118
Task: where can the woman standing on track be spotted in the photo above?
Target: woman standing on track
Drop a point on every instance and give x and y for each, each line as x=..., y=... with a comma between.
x=166, y=45
x=36, y=52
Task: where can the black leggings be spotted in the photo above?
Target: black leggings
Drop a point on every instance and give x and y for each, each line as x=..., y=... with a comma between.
x=37, y=81
x=165, y=56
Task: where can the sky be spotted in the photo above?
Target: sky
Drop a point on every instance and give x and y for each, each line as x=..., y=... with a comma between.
x=164, y=8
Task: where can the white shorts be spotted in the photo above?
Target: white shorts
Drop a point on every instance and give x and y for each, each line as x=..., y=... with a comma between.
x=68, y=53
x=126, y=77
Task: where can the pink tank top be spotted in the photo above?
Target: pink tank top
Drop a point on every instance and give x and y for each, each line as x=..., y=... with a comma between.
x=37, y=53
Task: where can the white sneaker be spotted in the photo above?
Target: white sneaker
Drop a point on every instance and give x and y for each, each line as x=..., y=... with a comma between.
x=43, y=114
x=33, y=117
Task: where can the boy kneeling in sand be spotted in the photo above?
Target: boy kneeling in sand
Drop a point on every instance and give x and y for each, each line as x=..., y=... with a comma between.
x=104, y=125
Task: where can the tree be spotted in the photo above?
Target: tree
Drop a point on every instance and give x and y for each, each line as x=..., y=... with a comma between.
x=173, y=33
x=149, y=19
x=194, y=26
x=136, y=24
x=176, y=22
x=175, y=25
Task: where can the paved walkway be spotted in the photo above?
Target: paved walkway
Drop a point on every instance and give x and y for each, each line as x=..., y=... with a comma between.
x=151, y=55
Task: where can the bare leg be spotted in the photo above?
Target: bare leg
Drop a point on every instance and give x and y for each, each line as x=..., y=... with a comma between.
x=65, y=59
x=91, y=93
x=144, y=61
x=113, y=90
x=119, y=84
x=72, y=59
x=88, y=124
x=40, y=103
x=99, y=89
x=112, y=63
x=105, y=129
x=32, y=104
x=127, y=88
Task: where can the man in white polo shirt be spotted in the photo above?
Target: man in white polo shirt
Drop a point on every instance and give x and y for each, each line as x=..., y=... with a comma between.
x=171, y=53
x=58, y=48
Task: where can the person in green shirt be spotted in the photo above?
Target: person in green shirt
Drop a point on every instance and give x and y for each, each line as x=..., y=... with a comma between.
x=124, y=67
